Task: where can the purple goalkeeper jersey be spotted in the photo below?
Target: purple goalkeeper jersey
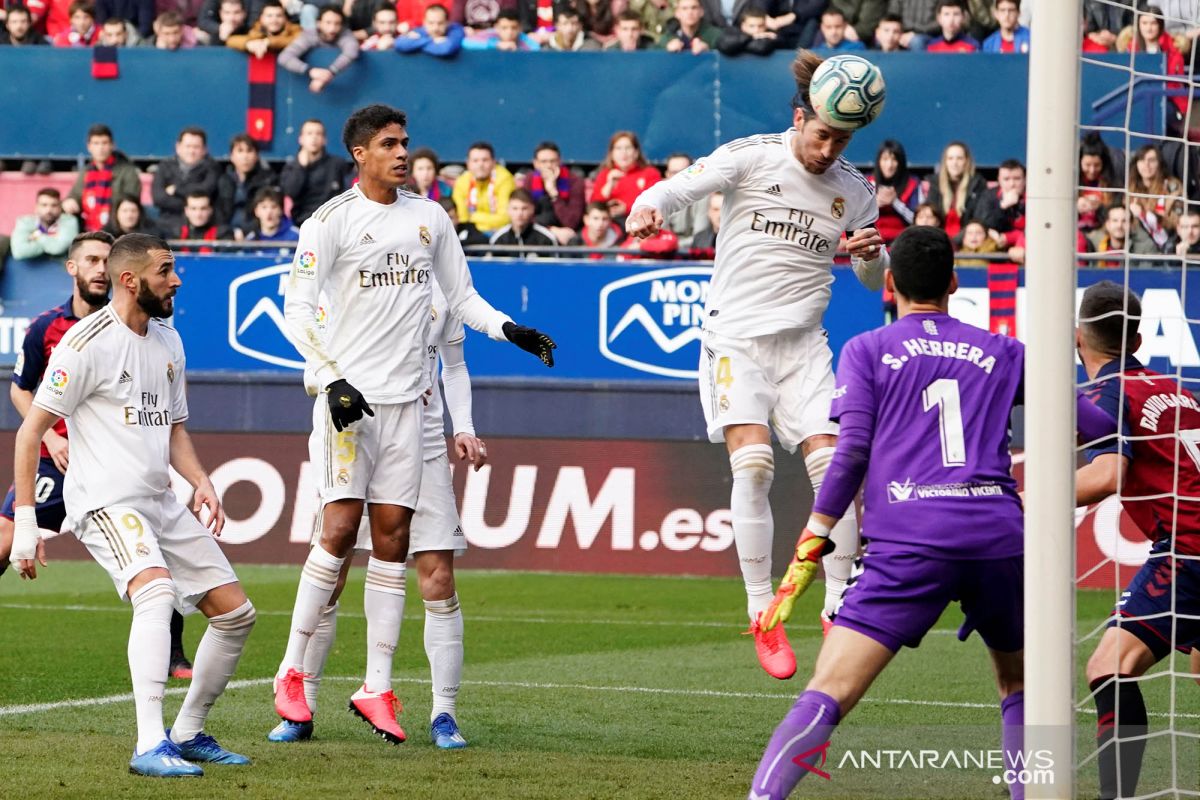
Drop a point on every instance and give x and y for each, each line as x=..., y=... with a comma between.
x=930, y=398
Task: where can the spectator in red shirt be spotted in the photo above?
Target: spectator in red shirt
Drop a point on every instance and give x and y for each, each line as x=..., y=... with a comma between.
x=1096, y=177
x=557, y=193
x=423, y=175
x=83, y=31
x=624, y=174
x=1113, y=237
x=952, y=19
x=599, y=230
x=198, y=223
x=1154, y=201
x=1147, y=35
x=956, y=190
x=897, y=192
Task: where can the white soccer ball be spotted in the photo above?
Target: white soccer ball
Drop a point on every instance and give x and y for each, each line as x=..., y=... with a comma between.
x=847, y=92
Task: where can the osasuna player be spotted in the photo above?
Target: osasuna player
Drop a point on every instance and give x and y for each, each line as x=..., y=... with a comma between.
x=1155, y=467
x=766, y=363
x=87, y=264
x=436, y=537
x=373, y=252
x=119, y=379
x=924, y=406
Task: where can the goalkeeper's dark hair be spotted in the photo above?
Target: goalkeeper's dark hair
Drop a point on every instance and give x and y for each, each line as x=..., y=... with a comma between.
x=1109, y=316
x=922, y=263
x=132, y=251
x=368, y=121
x=88, y=236
x=803, y=66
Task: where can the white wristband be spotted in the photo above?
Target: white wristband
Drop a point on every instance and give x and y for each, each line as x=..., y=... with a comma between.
x=26, y=515
x=818, y=528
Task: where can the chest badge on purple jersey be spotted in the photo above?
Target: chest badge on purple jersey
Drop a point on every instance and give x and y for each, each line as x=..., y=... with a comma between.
x=838, y=209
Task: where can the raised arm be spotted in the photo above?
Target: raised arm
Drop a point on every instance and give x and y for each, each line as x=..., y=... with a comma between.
x=719, y=172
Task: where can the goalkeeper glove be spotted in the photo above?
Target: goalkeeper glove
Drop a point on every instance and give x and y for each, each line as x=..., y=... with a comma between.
x=26, y=542
x=798, y=576
x=531, y=340
x=346, y=404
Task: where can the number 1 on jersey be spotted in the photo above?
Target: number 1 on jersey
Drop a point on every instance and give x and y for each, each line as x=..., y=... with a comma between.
x=943, y=393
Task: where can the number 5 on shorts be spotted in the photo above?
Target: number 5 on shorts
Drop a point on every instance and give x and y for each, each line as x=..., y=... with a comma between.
x=345, y=447
x=724, y=372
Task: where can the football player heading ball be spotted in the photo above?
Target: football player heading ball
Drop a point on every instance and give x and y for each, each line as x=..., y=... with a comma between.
x=789, y=199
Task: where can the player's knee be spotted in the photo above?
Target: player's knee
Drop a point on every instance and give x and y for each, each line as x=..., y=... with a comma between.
x=438, y=582
x=754, y=466
x=238, y=621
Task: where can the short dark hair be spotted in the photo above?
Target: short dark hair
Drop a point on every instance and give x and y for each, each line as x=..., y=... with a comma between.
x=1112, y=208
x=424, y=153
x=833, y=12
x=570, y=12
x=482, y=146
x=113, y=22
x=522, y=196
x=890, y=18
x=922, y=263
x=1109, y=315
x=597, y=205
x=81, y=5
x=267, y=193
x=133, y=247
x=1192, y=210
x=1012, y=163
x=367, y=121
x=169, y=19
x=753, y=12
x=99, y=129
x=947, y=4
x=510, y=14
x=20, y=9
x=192, y=130
x=88, y=236
x=49, y=191
x=243, y=139
x=330, y=8
x=197, y=195
x=547, y=145
x=271, y=4
x=629, y=15
x=996, y=3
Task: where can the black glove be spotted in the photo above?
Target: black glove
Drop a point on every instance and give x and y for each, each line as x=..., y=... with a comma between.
x=346, y=404
x=531, y=340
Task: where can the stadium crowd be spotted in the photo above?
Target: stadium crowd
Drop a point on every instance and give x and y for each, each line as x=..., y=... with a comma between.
x=551, y=204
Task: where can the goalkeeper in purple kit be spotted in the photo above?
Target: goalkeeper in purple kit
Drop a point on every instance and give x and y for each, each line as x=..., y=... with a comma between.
x=924, y=407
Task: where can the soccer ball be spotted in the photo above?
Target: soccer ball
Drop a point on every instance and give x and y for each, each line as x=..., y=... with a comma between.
x=847, y=92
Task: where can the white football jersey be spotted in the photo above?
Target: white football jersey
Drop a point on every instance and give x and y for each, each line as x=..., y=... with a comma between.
x=780, y=227
x=375, y=264
x=444, y=328
x=120, y=393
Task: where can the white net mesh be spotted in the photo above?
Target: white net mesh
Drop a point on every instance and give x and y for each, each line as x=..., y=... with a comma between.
x=1138, y=177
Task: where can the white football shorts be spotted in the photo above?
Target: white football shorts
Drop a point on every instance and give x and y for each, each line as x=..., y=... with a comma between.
x=783, y=380
x=435, y=525
x=377, y=459
x=145, y=532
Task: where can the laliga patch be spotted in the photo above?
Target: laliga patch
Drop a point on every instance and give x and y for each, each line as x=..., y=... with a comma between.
x=57, y=382
x=306, y=266
x=695, y=170
x=838, y=209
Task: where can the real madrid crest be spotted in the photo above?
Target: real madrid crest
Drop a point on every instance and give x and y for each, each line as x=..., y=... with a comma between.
x=838, y=209
x=723, y=403
x=343, y=477
x=424, y=235
x=170, y=372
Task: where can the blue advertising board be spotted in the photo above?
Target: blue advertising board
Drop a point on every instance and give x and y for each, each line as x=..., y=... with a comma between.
x=612, y=321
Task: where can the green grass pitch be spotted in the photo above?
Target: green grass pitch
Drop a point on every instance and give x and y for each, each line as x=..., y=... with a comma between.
x=575, y=687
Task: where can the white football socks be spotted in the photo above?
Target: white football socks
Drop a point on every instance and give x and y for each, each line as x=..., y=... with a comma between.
x=383, y=602
x=444, y=647
x=753, y=469
x=150, y=656
x=317, y=654
x=317, y=582
x=216, y=659
x=844, y=534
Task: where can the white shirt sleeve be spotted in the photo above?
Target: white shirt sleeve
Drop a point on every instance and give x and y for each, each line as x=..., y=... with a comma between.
x=867, y=213
x=450, y=269
x=722, y=170
x=67, y=383
x=179, y=406
x=456, y=387
x=312, y=264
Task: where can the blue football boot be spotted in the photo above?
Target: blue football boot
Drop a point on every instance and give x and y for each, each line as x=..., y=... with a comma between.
x=205, y=750
x=288, y=731
x=444, y=733
x=164, y=761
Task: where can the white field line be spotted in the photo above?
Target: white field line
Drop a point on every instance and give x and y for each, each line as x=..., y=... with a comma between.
x=38, y=708
x=469, y=618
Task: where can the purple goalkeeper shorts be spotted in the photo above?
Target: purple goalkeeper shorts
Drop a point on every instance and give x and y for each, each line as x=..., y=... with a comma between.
x=896, y=597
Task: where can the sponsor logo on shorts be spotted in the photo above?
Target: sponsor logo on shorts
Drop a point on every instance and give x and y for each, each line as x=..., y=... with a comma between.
x=424, y=235
x=57, y=381
x=343, y=477
x=838, y=209
x=458, y=531
x=306, y=266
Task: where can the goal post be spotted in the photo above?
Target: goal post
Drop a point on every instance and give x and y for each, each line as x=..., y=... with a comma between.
x=1054, y=68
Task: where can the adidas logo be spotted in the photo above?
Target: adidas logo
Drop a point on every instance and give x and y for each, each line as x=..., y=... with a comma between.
x=775, y=190
x=366, y=239
x=125, y=377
